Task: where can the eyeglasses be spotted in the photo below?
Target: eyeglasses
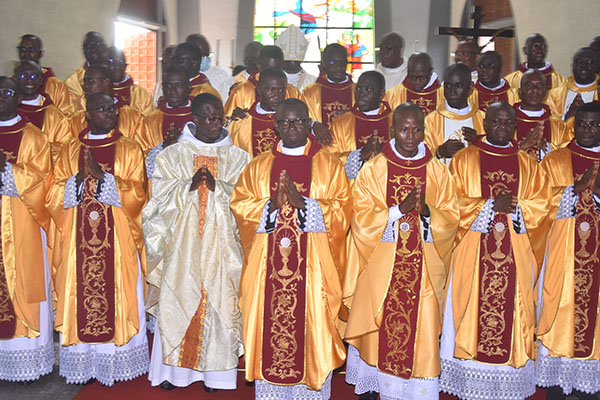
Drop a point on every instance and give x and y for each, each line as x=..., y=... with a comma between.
x=32, y=76
x=487, y=66
x=583, y=124
x=420, y=78
x=8, y=93
x=105, y=110
x=464, y=52
x=385, y=49
x=113, y=61
x=287, y=123
x=28, y=49
x=211, y=120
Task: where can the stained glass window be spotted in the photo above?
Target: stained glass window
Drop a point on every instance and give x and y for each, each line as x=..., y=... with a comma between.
x=347, y=22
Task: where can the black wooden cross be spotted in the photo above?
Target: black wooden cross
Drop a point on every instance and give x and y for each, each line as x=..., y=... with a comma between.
x=476, y=31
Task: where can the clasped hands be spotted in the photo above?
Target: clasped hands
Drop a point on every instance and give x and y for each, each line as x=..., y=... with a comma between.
x=89, y=168
x=415, y=200
x=286, y=192
x=534, y=138
x=589, y=180
x=452, y=146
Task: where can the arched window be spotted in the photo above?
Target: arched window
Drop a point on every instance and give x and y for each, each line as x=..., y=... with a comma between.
x=347, y=22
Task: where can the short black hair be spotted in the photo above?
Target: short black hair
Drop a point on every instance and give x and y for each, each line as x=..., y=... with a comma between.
x=202, y=99
x=102, y=68
x=21, y=64
x=175, y=69
x=92, y=98
x=377, y=76
x=333, y=48
x=589, y=108
x=271, y=72
x=194, y=50
x=31, y=36
x=293, y=102
x=270, y=51
x=409, y=107
x=494, y=54
x=461, y=69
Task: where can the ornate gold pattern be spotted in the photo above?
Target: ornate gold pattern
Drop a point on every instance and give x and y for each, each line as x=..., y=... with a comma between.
x=501, y=181
x=6, y=313
x=191, y=345
x=265, y=139
x=404, y=184
x=331, y=108
x=93, y=252
x=424, y=104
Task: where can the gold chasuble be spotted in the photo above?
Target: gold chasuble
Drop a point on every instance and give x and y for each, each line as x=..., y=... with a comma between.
x=21, y=251
x=131, y=125
x=428, y=99
x=493, y=274
x=395, y=317
x=435, y=129
x=352, y=130
x=133, y=95
x=95, y=258
x=558, y=96
x=74, y=83
x=200, y=84
x=483, y=96
x=325, y=99
x=556, y=132
x=195, y=257
x=51, y=121
x=159, y=121
x=255, y=133
x=290, y=292
x=57, y=91
x=244, y=95
x=553, y=78
x=569, y=325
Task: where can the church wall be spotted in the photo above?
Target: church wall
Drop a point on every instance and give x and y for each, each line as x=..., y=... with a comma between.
x=60, y=24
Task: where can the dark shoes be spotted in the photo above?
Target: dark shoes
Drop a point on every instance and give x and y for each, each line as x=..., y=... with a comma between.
x=209, y=389
x=368, y=396
x=166, y=385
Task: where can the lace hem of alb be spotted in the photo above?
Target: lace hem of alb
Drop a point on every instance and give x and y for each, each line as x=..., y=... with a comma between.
x=27, y=364
x=267, y=391
x=487, y=383
x=353, y=164
x=568, y=373
x=79, y=367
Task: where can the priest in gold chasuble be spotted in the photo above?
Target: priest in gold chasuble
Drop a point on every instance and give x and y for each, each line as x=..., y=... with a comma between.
x=194, y=254
x=95, y=200
x=568, y=328
x=26, y=341
x=360, y=134
x=332, y=93
x=490, y=87
x=293, y=208
x=487, y=347
x=404, y=224
x=255, y=133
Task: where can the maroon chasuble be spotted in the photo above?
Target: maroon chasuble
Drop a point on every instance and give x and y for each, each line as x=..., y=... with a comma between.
x=334, y=97
x=10, y=142
x=397, y=334
x=284, y=323
x=497, y=268
x=366, y=125
x=174, y=115
x=36, y=114
x=198, y=80
x=426, y=100
x=263, y=132
x=489, y=96
x=526, y=123
x=253, y=79
x=96, y=255
x=587, y=251
x=47, y=72
x=546, y=71
x=122, y=91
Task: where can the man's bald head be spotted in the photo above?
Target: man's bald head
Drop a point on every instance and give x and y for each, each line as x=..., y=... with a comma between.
x=466, y=53
x=409, y=108
x=536, y=50
x=27, y=65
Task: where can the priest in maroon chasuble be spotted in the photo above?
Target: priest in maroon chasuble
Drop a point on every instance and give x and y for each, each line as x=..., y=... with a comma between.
x=26, y=340
x=568, y=357
x=39, y=108
x=95, y=200
x=293, y=208
x=333, y=92
x=360, y=134
x=255, y=133
x=487, y=346
x=128, y=92
x=538, y=132
x=404, y=223
x=490, y=87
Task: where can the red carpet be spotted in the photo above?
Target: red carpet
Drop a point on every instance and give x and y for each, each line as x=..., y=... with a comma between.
x=130, y=390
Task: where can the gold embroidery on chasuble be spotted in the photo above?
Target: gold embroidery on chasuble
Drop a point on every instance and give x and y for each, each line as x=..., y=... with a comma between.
x=264, y=140
x=497, y=267
x=330, y=109
x=397, y=334
x=587, y=262
x=427, y=105
x=191, y=344
x=284, y=322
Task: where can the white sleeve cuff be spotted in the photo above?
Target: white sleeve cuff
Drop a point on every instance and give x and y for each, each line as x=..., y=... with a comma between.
x=151, y=159
x=518, y=221
x=107, y=191
x=9, y=188
x=597, y=201
x=353, y=164
x=394, y=214
x=267, y=220
x=568, y=201
x=312, y=216
x=483, y=221
x=72, y=193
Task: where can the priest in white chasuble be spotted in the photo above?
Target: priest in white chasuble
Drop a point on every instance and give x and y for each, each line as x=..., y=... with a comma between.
x=293, y=209
x=194, y=254
x=404, y=224
x=487, y=347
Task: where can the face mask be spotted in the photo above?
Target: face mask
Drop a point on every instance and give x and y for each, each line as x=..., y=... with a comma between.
x=205, y=63
x=293, y=79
